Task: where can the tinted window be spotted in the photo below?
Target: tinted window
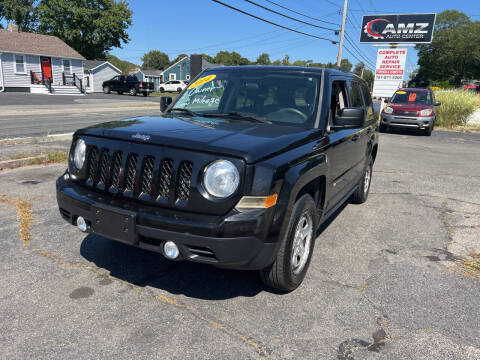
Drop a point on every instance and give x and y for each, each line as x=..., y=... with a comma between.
x=356, y=94
x=368, y=100
x=279, y=97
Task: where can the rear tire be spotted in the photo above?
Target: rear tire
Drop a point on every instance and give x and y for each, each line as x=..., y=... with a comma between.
x=106, y=90
x=293, y=258
x=361, y=194
x=132, y=92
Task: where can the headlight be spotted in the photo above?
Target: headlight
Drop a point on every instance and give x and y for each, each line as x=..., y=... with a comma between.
x=426, y=112
x=221, y=178
x=388, y=110
x=79, y=154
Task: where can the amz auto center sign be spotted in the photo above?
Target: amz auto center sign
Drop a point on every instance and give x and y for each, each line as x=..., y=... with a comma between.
x=389, y=71
x=402, y=28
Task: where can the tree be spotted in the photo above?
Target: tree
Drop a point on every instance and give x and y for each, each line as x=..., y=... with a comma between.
x=346, y=64
x=286, y=60
x=92, y=27
x=277, y=62
x=124, y=66
x=357, y=70
x=230, y=58
x=263, y=59
x=21, y=12
x=454, y=53
x=208, y=58
x=155, y=59
x=178, y=58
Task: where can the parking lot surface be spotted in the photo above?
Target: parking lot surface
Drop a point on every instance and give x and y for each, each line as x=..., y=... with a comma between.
x=388, y=279
x=26, y=99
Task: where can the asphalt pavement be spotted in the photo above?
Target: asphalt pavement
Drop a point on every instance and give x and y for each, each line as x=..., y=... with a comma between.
x=387, y=278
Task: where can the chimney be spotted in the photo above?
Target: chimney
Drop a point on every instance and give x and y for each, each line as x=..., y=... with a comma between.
x=12, y=27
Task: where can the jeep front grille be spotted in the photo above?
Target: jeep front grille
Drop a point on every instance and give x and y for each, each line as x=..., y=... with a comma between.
x=139, y=176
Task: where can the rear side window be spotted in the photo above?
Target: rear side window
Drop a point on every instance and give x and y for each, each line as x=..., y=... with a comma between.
x=368, y=101
x=356, y=94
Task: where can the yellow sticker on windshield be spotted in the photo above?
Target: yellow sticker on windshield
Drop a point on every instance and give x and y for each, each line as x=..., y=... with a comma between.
x=401, y=92
x=202, y=81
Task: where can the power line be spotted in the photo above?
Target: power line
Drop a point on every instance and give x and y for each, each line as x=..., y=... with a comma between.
x=299, y=13
x=351, y=53
x=273, y=23
x=291, y=18
x=359, y=52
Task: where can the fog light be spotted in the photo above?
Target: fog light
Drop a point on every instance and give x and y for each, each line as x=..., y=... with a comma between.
x=81, y=224
x=170, y=250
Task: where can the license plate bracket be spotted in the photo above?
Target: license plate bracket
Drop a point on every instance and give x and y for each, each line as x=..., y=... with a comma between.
x=116, y=224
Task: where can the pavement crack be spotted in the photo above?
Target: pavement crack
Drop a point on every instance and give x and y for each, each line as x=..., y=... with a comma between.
x=25, y=219
x=24, y=216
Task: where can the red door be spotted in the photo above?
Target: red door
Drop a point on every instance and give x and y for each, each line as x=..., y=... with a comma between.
x=47, y=67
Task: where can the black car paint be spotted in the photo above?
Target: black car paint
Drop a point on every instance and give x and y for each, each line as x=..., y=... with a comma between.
x=284, y=160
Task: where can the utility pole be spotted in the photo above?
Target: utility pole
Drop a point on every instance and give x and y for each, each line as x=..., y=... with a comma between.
x=342, y=34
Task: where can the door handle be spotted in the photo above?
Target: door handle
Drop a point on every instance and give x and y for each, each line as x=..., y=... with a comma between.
x=355, y=137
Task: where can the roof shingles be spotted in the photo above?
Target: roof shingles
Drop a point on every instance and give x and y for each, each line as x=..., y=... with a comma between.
x=35, y=44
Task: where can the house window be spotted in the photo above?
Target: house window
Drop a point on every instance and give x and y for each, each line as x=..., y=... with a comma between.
x=67, y=67
x=20, y=66
x=187, y=77
x=172, y=76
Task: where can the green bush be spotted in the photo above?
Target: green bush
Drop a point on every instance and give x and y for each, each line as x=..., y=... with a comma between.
x=456, y=106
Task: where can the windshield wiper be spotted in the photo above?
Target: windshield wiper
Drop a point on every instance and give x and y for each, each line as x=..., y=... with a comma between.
x=189, y=112
x=238, y=115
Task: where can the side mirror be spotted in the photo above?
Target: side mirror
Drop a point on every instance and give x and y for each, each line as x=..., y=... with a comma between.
x=165, y=101
x=438, y=103
x=349, y=118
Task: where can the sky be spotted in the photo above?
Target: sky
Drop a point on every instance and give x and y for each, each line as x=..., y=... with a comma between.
x=203, y=26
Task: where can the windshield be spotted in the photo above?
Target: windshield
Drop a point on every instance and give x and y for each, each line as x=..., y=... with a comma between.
x=276, y=97
x=412, y=97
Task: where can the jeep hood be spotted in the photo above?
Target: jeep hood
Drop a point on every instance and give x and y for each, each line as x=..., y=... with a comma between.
x=243, y=139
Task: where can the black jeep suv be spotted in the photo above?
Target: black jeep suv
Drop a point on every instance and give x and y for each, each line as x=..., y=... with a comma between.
x=238, y=172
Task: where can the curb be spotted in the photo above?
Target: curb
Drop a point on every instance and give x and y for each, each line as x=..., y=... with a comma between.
x=11, y=164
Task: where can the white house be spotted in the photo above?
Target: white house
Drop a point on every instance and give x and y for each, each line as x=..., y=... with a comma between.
x=96, y=72
x=38, y=64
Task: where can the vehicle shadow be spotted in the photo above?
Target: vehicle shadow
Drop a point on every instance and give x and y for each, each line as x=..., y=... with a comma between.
x=406, y=131
x=145, y=268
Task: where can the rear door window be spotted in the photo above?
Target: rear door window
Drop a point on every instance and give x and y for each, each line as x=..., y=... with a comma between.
x=356, y=94
x=368, y=100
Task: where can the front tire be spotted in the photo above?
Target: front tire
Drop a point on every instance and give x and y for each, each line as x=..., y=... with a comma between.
x=162, y=90
x=179, y=90
x=428, y=131
x=361, y=194
x=293, y=258
x=106, y=90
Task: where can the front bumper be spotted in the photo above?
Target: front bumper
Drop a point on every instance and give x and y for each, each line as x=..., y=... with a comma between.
x=238, y=240
x=420, y=122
